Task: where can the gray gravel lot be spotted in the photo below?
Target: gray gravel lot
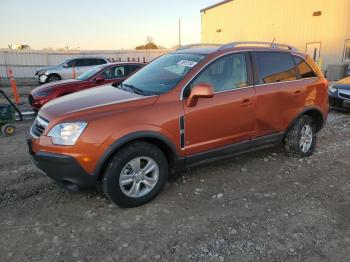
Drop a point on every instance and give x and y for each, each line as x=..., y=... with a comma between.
x=261, y=206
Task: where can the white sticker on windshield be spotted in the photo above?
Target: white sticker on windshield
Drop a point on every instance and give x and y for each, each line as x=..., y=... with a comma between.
x=187, y=63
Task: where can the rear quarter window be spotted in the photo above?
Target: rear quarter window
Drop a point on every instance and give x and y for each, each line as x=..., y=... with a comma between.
x=274, y=67
x=304, y=69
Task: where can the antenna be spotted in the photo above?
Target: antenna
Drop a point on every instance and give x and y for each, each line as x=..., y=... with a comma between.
x=273, y=42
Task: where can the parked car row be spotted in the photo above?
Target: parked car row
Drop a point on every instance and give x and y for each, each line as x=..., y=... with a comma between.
x=184, y=108
x=96, y=76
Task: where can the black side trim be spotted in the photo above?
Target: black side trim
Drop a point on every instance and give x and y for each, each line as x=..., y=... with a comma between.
x=182, y=131
x=178, y=162
x=241, y=147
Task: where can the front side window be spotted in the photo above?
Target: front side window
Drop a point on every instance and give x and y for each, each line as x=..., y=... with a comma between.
x=227, y=73
x=88, y=74
x=347, y=51
x=304, y=69
x=81, y=62
x=71, y=63
x=163, y=73
x=274, y=67
x=114, y=72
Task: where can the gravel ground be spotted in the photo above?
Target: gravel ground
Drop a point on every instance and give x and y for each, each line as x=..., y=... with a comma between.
x=261, y=206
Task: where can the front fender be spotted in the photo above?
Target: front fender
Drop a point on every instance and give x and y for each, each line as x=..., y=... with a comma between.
x=135, y=133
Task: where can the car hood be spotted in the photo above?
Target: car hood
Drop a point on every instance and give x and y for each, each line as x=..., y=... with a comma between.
x=343, y=83
x=94, y=99
x=50, y=86
x=48, y=68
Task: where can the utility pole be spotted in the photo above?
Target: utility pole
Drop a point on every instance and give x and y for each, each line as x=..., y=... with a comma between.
x=179, y=32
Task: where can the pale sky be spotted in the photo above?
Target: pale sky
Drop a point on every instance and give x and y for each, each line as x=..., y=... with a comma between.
x=99, y=24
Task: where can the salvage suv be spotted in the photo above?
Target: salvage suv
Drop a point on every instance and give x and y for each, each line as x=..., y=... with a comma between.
x=184, y=108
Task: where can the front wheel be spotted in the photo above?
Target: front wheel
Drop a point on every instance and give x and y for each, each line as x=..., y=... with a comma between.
x=135, y=175
x=53, y=78
x=300, y=140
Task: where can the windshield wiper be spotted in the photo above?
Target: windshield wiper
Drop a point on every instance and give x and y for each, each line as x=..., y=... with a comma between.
x=135, y=89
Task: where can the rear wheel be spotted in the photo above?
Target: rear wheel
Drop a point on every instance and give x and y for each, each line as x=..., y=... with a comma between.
x=300, y=140
x=8, y=130
x=53, y=78
x=135, y=175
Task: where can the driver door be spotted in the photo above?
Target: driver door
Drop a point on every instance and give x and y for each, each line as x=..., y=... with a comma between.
x=228, y=116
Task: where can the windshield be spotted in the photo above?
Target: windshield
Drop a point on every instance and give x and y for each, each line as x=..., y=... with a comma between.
x=89, y=73
x=162, y=74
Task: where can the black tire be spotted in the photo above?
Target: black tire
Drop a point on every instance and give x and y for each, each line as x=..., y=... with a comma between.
x=110, y=181
x=53, y=78
x=8, y=130
x=293, y=138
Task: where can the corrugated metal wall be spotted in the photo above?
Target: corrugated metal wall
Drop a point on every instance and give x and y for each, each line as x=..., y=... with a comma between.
x=25, y=63
x=290, y=22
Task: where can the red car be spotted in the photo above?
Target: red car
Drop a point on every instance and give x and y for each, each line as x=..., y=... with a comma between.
x=99, y=75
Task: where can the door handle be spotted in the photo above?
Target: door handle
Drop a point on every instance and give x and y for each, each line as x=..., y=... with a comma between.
x=297, y=93
x=246, y=102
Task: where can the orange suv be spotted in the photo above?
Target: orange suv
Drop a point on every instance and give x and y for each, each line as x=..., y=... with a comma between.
x=186, y=107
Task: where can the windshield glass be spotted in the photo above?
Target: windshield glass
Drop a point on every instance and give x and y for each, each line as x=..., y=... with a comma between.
x=162, y=74
x=89, y=73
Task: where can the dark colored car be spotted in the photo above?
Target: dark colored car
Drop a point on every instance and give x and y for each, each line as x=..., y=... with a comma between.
x=99, y=75
x=182, y=109
x=339, y=94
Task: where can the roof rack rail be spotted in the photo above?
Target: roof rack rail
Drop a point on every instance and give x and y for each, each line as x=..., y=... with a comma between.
x=197, y=45
x=270, y=44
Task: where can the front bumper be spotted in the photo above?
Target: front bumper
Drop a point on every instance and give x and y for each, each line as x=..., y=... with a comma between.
x=41, y=78
x=64, y=169
x=37, y=103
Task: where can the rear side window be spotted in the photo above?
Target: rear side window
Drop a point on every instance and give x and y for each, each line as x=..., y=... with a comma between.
x=100, y=61
x=303, y=68
x=274, y=67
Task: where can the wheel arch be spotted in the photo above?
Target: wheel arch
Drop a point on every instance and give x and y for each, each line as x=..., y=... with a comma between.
x=53, y=74
x=162, y=142
x=315, y=113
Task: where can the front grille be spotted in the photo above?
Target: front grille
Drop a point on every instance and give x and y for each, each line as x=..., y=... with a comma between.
x=347, y=96
x=38, y=126
x=30, y=99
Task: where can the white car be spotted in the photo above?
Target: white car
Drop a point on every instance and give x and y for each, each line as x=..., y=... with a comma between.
x=68, y=69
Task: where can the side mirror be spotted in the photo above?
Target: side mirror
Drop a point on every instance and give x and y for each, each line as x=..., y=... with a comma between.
x=199, y=91
x=99, y=78
x=65, y=65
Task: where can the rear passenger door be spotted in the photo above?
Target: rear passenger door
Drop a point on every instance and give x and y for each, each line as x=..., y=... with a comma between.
x=279, y=93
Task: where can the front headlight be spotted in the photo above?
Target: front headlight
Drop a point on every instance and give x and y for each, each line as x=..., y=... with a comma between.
x=66, y=134
x=42, y=93
x=332, y=89
x=42, y=72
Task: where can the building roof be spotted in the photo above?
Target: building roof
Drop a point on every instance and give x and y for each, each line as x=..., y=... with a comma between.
x=213, y=6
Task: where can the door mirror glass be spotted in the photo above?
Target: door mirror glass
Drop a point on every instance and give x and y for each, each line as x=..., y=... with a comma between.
x=202, y=90
x=99, y=78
